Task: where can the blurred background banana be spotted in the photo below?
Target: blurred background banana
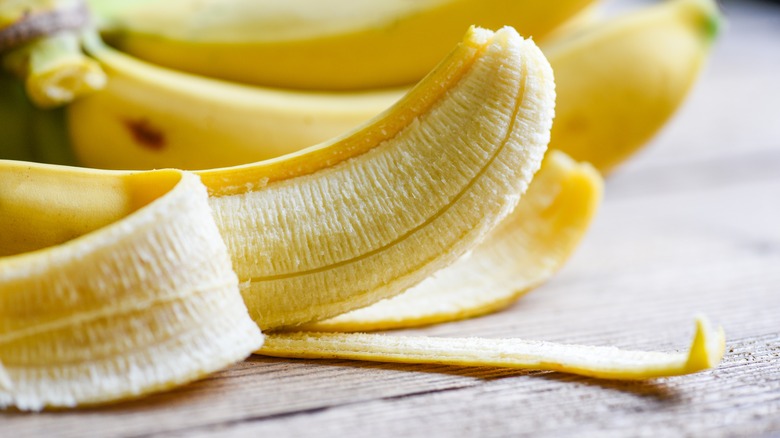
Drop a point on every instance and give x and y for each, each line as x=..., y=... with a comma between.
x=619, y=80
x=333, y=45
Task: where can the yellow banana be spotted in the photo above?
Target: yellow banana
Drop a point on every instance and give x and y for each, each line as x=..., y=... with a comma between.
x=155, y=117
x=620, y=82
x=366, y=229
x=334, y=45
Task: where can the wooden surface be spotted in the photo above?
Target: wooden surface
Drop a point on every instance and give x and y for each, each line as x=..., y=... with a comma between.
x=691, y=225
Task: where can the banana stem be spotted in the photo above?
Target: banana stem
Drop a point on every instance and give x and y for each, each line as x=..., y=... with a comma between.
x=55, y=70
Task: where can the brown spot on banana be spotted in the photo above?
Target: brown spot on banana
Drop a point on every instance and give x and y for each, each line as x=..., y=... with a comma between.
x=145, y=134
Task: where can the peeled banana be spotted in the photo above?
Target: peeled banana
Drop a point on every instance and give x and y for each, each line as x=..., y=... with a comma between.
x=370, y=214
x=112, y=286
x=350, y=45
x=524, y=250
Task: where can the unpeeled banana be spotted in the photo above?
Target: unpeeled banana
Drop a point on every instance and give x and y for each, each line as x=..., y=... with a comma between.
x=618, y=81
x=350, y=45
x=645, y=63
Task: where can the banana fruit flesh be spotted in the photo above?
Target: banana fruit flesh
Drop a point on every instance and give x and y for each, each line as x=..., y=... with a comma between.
x=376, y=211
x=351, y=45
x=344, y=224
x=524, y=250
x=606, y=107
x=125, y=296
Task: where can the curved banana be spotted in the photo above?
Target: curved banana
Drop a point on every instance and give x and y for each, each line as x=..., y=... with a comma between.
x=621, y=81
x=430, y=190
x=122, y=288
x=305, y=44
x=155, y=117
x=524, y=250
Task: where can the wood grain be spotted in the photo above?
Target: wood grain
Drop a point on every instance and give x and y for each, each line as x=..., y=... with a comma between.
x=691, y=225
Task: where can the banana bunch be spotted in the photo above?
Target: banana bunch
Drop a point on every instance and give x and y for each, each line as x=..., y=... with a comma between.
x=115, y=284
x=619, y=81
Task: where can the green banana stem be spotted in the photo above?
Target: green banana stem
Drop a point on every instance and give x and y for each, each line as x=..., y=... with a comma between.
x=29, y=133
x=55, y=70
x=15, y=120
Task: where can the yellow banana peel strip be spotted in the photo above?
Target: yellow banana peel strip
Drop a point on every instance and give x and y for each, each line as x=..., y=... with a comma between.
x=139, y=305
x=524, y=250
x=705, y=352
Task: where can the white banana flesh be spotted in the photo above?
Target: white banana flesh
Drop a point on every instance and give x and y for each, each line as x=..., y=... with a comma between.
x=417, y=196
x=136, y=306
x=524, y=250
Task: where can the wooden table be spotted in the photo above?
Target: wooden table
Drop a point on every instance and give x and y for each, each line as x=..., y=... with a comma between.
x=691, y=225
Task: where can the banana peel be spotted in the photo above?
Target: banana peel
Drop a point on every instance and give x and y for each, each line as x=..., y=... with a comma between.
x=706, y=351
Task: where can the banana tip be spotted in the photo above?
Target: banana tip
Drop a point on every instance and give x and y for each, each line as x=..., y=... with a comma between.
x=708, y=347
